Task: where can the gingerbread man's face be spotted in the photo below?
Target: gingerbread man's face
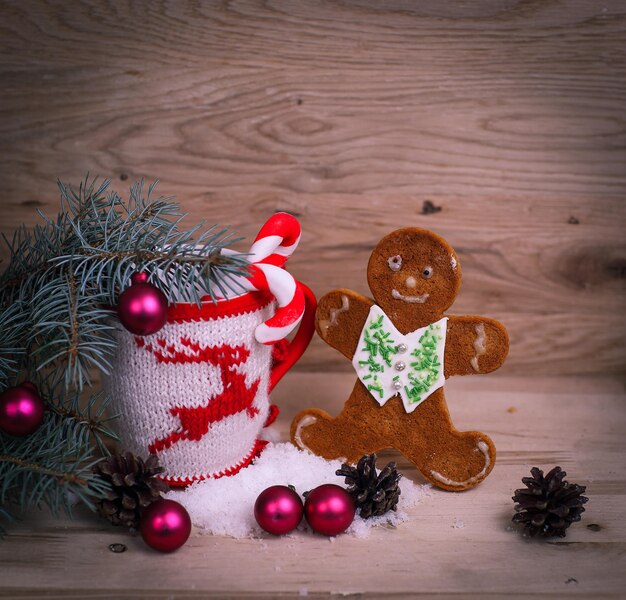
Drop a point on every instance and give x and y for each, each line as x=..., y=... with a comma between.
x=413, y=271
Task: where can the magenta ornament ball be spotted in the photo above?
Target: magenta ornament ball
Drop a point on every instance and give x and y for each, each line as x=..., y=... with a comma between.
x=21, y=410
x=278, y=509
x=142, y=307
x=329, y=509
x=165, y=525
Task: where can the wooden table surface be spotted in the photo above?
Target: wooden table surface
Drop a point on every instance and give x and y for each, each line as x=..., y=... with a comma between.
x=578, y=424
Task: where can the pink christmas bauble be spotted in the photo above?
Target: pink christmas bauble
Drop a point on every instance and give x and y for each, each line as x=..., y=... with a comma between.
x=142, y=308
x=278, y=509
x=21, y=410
x=329, y=509
x=165, y=525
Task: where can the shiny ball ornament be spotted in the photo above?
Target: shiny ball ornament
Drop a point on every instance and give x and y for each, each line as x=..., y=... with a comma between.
x=278, y=509
x=329, y=509
x=21, y=410
x=142, y=308
x=165, y=525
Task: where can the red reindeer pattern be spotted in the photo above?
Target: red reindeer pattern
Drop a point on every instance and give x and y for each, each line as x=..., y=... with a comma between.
x=235, y=398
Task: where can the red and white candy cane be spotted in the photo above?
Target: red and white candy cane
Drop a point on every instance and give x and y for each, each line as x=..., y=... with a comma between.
x=276, y=241
x=273, y=245
x=289, y=298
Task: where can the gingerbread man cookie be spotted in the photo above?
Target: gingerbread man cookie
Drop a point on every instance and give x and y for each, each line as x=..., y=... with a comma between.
x=403, y=348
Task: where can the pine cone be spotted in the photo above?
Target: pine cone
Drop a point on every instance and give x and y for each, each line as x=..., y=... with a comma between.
x=134, y=486
x=549, y=505
x=373, y=493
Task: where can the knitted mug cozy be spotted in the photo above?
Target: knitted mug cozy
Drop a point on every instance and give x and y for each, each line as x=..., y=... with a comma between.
x=197, y=392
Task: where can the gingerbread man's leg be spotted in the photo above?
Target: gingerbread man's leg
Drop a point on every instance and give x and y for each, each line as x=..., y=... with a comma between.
x=447, y=458
x=349, y=435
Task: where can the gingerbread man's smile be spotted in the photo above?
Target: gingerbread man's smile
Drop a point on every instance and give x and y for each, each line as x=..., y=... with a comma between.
x=411, y=299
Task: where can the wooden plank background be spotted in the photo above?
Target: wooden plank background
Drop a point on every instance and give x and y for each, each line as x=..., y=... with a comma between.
x=507, y=114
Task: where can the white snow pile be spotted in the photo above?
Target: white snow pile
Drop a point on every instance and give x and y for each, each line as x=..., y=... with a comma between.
x=225, y=506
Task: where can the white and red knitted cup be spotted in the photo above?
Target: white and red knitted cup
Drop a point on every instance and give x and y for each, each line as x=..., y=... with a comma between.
x=196, y=393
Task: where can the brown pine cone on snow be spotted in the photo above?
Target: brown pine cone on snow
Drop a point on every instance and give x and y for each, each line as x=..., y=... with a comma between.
x=374, y=493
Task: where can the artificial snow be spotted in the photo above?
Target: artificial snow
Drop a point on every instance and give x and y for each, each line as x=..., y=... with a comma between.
x=225, y=506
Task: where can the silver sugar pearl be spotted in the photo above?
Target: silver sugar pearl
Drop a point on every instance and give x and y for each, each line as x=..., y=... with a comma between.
x=399, y=366
x=396, y=385
x=402, y=348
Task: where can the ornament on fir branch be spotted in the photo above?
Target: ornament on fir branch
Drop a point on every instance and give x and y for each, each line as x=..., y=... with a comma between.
x=329, y=509
x=21, y=410
x=278, y=509
x=374, y=493
x=134, y=486
x=548, y=505
x=165, y=525
x=142, y=307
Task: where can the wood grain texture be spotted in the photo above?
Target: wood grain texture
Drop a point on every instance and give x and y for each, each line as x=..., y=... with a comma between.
x=577, y=423
x=508, y=115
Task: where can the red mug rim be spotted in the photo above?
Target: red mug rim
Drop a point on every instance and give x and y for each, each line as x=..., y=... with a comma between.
x=181, y=312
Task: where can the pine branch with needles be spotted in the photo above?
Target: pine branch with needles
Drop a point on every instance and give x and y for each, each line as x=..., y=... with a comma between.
x=56, y=296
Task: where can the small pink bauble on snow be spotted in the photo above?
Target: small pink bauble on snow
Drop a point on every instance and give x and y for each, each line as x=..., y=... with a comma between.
x=142, y=308
x=329, y=509
x=278, y=509
x=165, y=525
x=21, y=410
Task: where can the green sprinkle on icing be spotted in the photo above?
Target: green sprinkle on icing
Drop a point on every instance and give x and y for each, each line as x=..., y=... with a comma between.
x=425, y=369
x=376, y=387
x=378, y=345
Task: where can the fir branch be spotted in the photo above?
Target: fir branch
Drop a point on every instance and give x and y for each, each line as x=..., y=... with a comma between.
x=115, y=240
x=47, y=467
x=56, y=319
x=13, y=328
x=88, y=414
x=5, y=516
x=73, y=331
x=30, y=253
x=61, y=476
x=111, y=240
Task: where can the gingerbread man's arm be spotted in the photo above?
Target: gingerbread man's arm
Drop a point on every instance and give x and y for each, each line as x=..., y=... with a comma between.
x=474, y=345
x=340, y=317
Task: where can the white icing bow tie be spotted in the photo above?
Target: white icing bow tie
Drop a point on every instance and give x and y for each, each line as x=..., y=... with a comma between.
x=390, y=363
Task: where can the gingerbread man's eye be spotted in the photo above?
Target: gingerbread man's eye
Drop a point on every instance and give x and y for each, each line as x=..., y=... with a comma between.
x=427, y=272
x=395, y=262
